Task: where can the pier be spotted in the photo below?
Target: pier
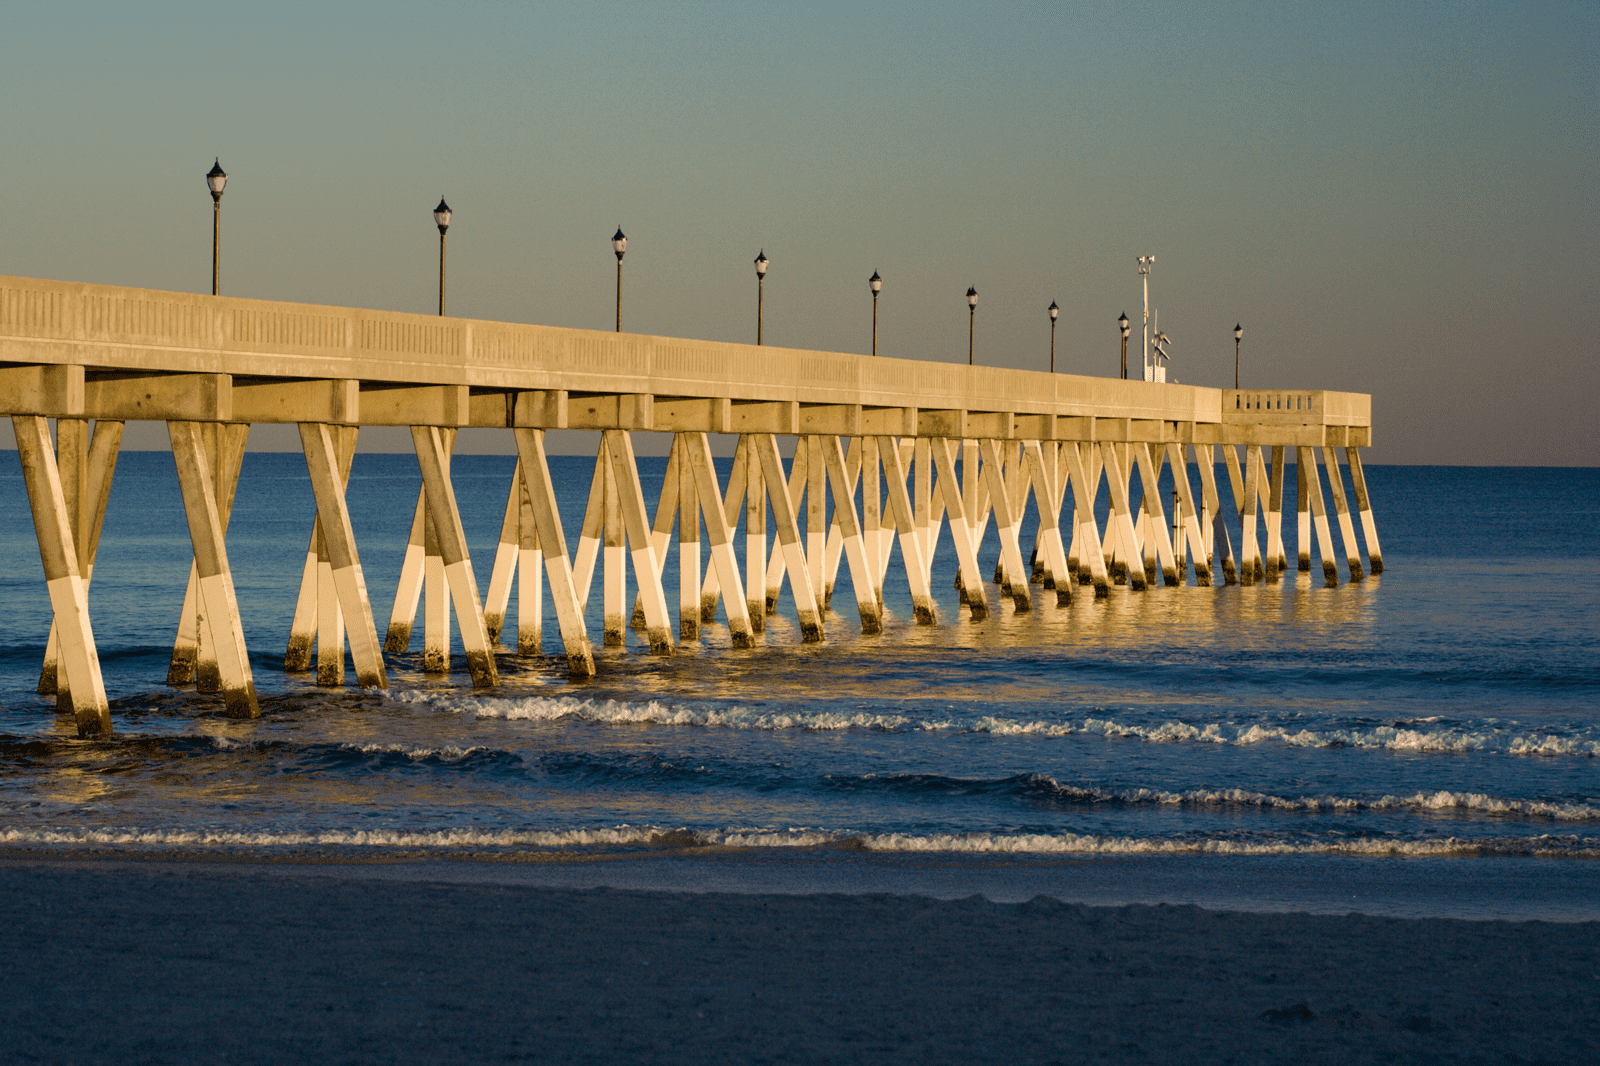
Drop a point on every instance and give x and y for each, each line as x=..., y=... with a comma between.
x=889, y=454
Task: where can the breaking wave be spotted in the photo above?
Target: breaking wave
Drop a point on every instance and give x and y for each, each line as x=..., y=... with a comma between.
x=1555, y=846
x=1423, y=735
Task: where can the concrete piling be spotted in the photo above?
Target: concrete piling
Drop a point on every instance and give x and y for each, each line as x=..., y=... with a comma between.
x=789, y=545
x=553, y=542
x=1369, y=525
x=1319, y=514
x=498, y=598
x=406, y=596
x=433, y=457
x=1278, y=562
x=86, y=511
x=1303, y=517
x=755, y=536
x=1347, y=529
x=853, y=544
x=76, y=658
x=698, y=471
x=328, y=453
x=530, y=574
x=624, y=481
x=615, y=581
x=689, y=544
x=218, y=606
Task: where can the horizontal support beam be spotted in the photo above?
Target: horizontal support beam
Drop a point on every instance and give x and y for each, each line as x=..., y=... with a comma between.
x=336, y=402
x=781, y=417
x=414, y=405
x=889, y=421
x=623, y=411
x=158, y=397
x=835, y=419
x=53, y=391
x=540, y=409
x=679, y=414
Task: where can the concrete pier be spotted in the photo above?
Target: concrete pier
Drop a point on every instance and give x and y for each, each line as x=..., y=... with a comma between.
x=916, y=443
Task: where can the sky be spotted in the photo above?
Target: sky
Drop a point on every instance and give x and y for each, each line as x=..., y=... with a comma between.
x=1395, y=198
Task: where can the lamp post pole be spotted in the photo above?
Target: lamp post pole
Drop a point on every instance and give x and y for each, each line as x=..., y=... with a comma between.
x=1122, y=323
x=761, y=289
x=441, y=218
x=1054, y=311
x=972, y=318
x=1238, y=331
x=216, y=180
x=1145, y=263
x=619, y=244
x=876, y=283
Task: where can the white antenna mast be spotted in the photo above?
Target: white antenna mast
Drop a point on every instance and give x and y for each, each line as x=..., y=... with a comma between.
x=1145, y=263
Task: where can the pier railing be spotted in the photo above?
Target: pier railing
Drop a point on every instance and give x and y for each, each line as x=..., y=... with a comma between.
x=881, y=442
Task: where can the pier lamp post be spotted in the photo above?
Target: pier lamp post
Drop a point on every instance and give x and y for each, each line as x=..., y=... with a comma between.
x=1238, y=331
x=1145, y=263
x=1054, y=311
x=216, y=180
x=619, y=244
x=441, y=218
x=1122, y=322
x=972, y=317
x=876, y=284
x=761, y=288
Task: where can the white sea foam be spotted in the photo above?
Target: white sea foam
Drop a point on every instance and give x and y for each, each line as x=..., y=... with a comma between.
x=1440, y=801
x=655, y=712
x=958, y=843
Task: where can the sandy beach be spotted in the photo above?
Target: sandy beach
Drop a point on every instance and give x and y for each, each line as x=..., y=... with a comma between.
x=110, y=960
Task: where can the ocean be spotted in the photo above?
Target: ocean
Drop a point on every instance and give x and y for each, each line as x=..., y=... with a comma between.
x=1436, y=726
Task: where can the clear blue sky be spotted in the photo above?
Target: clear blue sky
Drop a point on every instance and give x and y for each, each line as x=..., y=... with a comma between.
x=1395, y=199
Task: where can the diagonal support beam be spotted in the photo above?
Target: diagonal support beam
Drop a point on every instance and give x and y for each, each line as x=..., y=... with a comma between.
x=1189, y=515
x=69, y=599
x=1213, y=503
x=630, y=498
x=697, y=466
x=1307, y=470
x=1084, y=486
x=558, y=567
x=960, y=528
x=788, y=530
x=1121, y=521
x=506, y=552
x=1048, y=502
x=711, y=588
x=1347, y=529
x=216, y=595
x=328, y=464
x=87, y=518
x=1150, y=476
x=1005, y=520
x=445, y=519
x=1369, y=525
x=905, y=521
x=192, y=657
x=854, y=546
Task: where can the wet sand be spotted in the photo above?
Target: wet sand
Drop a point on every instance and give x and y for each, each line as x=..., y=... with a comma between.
x=106, y=960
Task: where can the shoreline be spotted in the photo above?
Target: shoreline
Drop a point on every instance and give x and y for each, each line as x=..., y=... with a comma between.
x=159, y=961
x=1470, y=888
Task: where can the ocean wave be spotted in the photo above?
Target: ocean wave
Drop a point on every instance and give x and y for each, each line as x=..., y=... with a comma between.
x=1042, y=787
x=1019, y=844
x=1412, y=736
